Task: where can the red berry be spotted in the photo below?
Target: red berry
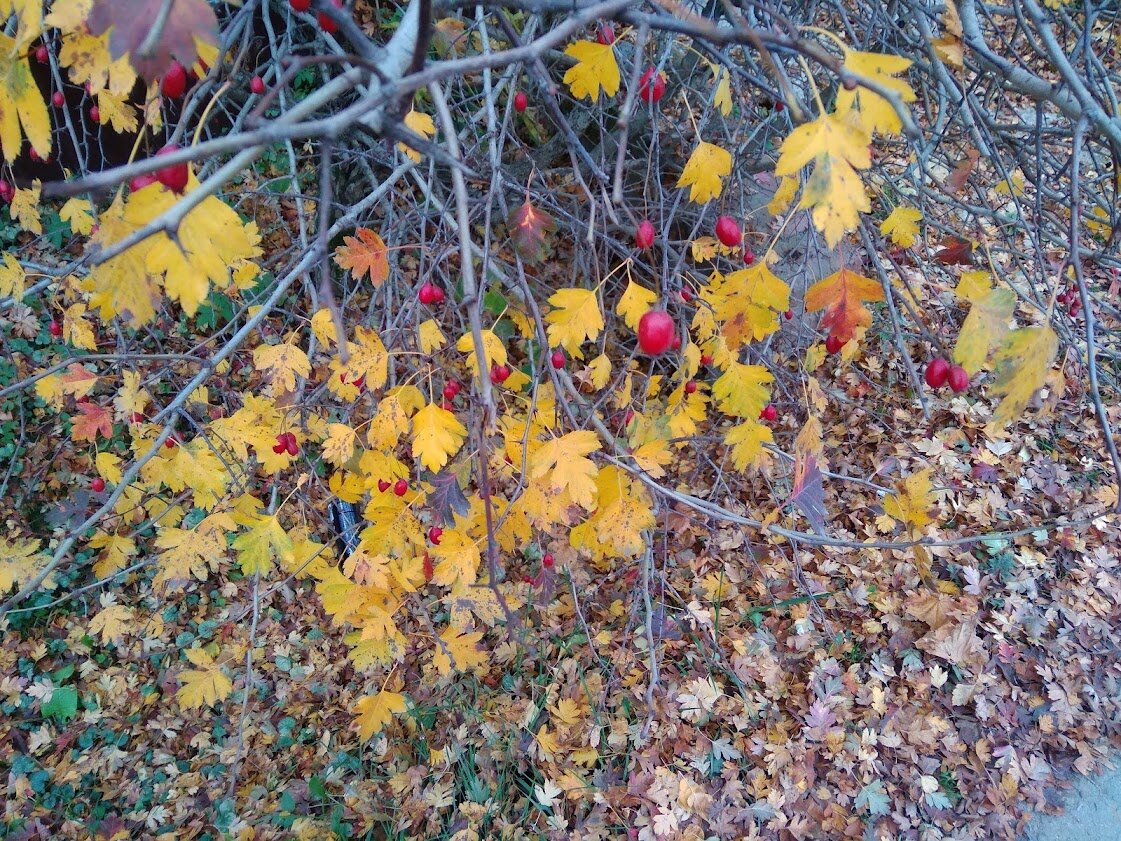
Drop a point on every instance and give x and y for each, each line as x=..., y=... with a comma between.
x=136, y=417
x=174, y=81
x=383, y=485
x=691, y=387
x=55, y=329
x=748, y=257
x=521, y=102
x=605, y=34
x=656, y=332
x=686, y=294
x=174, y=177
x=34, y=155
x=728, y=231
x=401, y=487
x=58, y=99
x=937, y=372
x=833, y=344
x=769, y=413
x=789, y=314
x=779, y=106
x=257, y=85
x=450, y=393
x=281, y=444
x=98, y=484
x=141, y=181
x=300, y=5
x=41, y=54
x=1075, y=309
x=434, y=535
x=499, y=374
x=171, y=441
x=7, y=191
x=95, y=114
x=558, y=359
x=652, y=85
x=327, y=23
x=291, y=444
x=547, y=560
x=706, y=360
x=644, y=235
x=446, y=405
x=958, y=379
x=430, y=294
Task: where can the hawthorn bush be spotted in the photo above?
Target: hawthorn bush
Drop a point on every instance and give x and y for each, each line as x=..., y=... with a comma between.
x=540, y=419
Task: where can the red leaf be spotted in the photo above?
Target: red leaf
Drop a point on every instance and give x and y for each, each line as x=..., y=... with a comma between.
x=132, y=22
x=955, y=251
x=528, y=226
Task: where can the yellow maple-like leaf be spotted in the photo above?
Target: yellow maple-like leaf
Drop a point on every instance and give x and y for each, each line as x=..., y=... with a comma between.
x=78, y=214
x=747, y=440
x=22, y=109
x=423, y=125
x=493, y=348
x=283, y=362
x=872, y=111
x=376, y=711
x=108, y=467
x=429, y=336
x=368, y=360
x=266, y=541
x=457, y=652
x=122, y=285
x=112, y=622
x=634, y=303
x=986, y=325
x=742, y=390
x=12, y=277
x=437, y=436
x=912, y=502
x=704, y=171
x=902, y=226
x=595, y=68
x=746, y=303
x=197, y=466
x=338, y=448
x=116, y=550
x=204, y=686
x=834, y=190
x=115, y=111
x=949, y=47
x=787, y=189
x=76, y=330
x=456, y=559
x=323, y=326
x=130, y=397
x=20, y=561
x=704, y=249
x=600, y=370
x=574, y=319
x=365, y=253
x=722, y=95
x=1020, y=369
x=25, y=208
x=565, y=460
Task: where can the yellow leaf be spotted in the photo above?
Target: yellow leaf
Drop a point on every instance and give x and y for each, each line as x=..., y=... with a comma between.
x=339, y=446
x=112, y=622
x=323, y=325
x=565, y=459
x=437, y=436
x=283, y=362
x=1020, y=368
x=204, y=686
x=430, y=337
x=197, y=466
x=20, y=561
x=747, y=303
x=457, y=652
x=493, y=349
x=741, y=390
x=787, y=189
x=12, y=277
x=422, y=124
x=974, y=286
x=986, y=325
x=122, y=285
x=368, y=360
x=456, y=559
x=722, y=96
x=108, y=467
x=376, y=711
x=872, y=111
x=833, y=190
x=115, y=111
x=25, y=205
x=21, y=104
x=912, y=501
x=746, y=441
x=902, y=226
x=78, y=213
x=703, y=172
x=705, y=249
x=265, y=542
x=600, y=369
x=76, y=330
x=634, y=303
x=575, y=318
x=595, y=68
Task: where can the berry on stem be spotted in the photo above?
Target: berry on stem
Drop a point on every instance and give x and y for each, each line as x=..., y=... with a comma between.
x=958, y=379
x=521, y=102
x=644, y=234
x=430, y=294
x=605, y=34
x=652, y=85
x=401, y=487
x=656, y=332
x=937, y=372
x=833, y=344
x=686, y=294
x=383, y=485
x=95, y=114
x=558, y=359
x=728, y=231
x=42, y=55
x=257, y=85
x=748, y=257
x=300, y=5
x=690, y=387
x=434, y=535
x=706, y=360
x=55, y=328
x=547, y=560
x=499, y=374
x=98, y=484
x=58, y=99
x=174, y=176
x=174, y=81
x=789, y=314
x=450, y=393
x=7, y=191
x=769, y=413
x=326, y=22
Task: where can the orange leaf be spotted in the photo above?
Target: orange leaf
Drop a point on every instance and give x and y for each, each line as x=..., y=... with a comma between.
x=365, y=253
x=528, y=227
x=93, y=419
x=842, y=295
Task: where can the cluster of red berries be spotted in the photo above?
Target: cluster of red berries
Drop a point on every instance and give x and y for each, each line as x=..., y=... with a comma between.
x=430, y=294
x=400, y=487
x=1071, y=301
x=940, y=372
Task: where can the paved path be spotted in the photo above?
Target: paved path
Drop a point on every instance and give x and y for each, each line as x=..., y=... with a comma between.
x=1093, y=813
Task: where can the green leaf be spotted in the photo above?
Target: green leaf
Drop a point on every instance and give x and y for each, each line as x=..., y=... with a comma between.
x=63, y=704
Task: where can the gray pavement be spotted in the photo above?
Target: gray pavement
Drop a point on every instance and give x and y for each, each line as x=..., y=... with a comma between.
x=1093, y=812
